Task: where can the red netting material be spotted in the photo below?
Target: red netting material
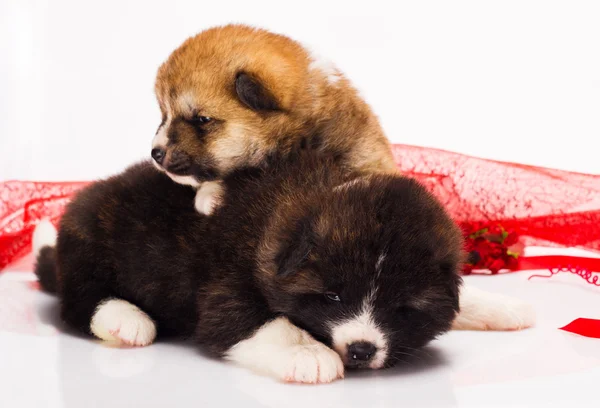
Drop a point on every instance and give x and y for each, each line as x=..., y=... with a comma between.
x=22, y=205
x=545, y=206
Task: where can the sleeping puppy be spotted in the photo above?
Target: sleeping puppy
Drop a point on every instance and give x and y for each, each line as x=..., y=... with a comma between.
x=303, y=269
x=233, y=95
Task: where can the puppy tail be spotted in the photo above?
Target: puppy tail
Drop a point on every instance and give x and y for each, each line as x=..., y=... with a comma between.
x=44, y=251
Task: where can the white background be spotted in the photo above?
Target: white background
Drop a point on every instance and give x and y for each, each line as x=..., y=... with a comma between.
x=510, y=80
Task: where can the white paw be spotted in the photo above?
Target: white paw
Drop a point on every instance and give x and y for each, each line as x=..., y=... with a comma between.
x=208, y=197
x=287, y=353
x=511, y=314
x=482, y=310
x=311, y=363
x=119, y=320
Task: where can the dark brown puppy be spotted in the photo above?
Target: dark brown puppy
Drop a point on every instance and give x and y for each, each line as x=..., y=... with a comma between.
x=299, y=257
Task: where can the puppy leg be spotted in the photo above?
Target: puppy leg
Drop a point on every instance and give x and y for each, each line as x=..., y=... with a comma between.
x=208, y=197
x=94, y=311
x=235, y=323
x=89, y=305
x=481, y=310
x=283, y=351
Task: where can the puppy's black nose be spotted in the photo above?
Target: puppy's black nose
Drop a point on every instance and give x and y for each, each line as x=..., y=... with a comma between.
x=158, y=155
x=361, y=352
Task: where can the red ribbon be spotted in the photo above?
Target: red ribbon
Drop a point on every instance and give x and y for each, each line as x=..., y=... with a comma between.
x=584, y=327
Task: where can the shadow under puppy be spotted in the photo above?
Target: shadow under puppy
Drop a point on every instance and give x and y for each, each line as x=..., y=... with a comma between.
x=302, y=270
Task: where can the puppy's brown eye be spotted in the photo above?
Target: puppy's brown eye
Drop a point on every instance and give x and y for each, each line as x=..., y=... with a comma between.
x=334, y=297
x=201, y=119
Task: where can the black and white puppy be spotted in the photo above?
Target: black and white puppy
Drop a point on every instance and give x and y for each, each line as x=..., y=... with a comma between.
x=301, y=271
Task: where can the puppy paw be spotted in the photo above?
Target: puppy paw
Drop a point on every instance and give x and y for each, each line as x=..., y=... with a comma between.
x=511, y=314
x=311, y=363
x=285, y=352
x=119, y=320
x=208, y=197
x=480, y=310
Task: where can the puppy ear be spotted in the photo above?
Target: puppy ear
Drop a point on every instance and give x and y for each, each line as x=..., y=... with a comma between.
x=295, y=250
x=253, y=94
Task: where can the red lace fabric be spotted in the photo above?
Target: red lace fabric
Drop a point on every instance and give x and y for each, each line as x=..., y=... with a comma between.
x=543, y=206
x=22, y=205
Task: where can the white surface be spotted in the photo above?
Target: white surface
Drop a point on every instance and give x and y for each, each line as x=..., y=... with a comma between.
x=42, y=365
x=514, y=80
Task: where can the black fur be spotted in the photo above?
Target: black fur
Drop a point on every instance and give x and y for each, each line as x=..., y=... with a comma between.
x=253, y=94
x=45, y=269
x=283, y=237
x=294, y=254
